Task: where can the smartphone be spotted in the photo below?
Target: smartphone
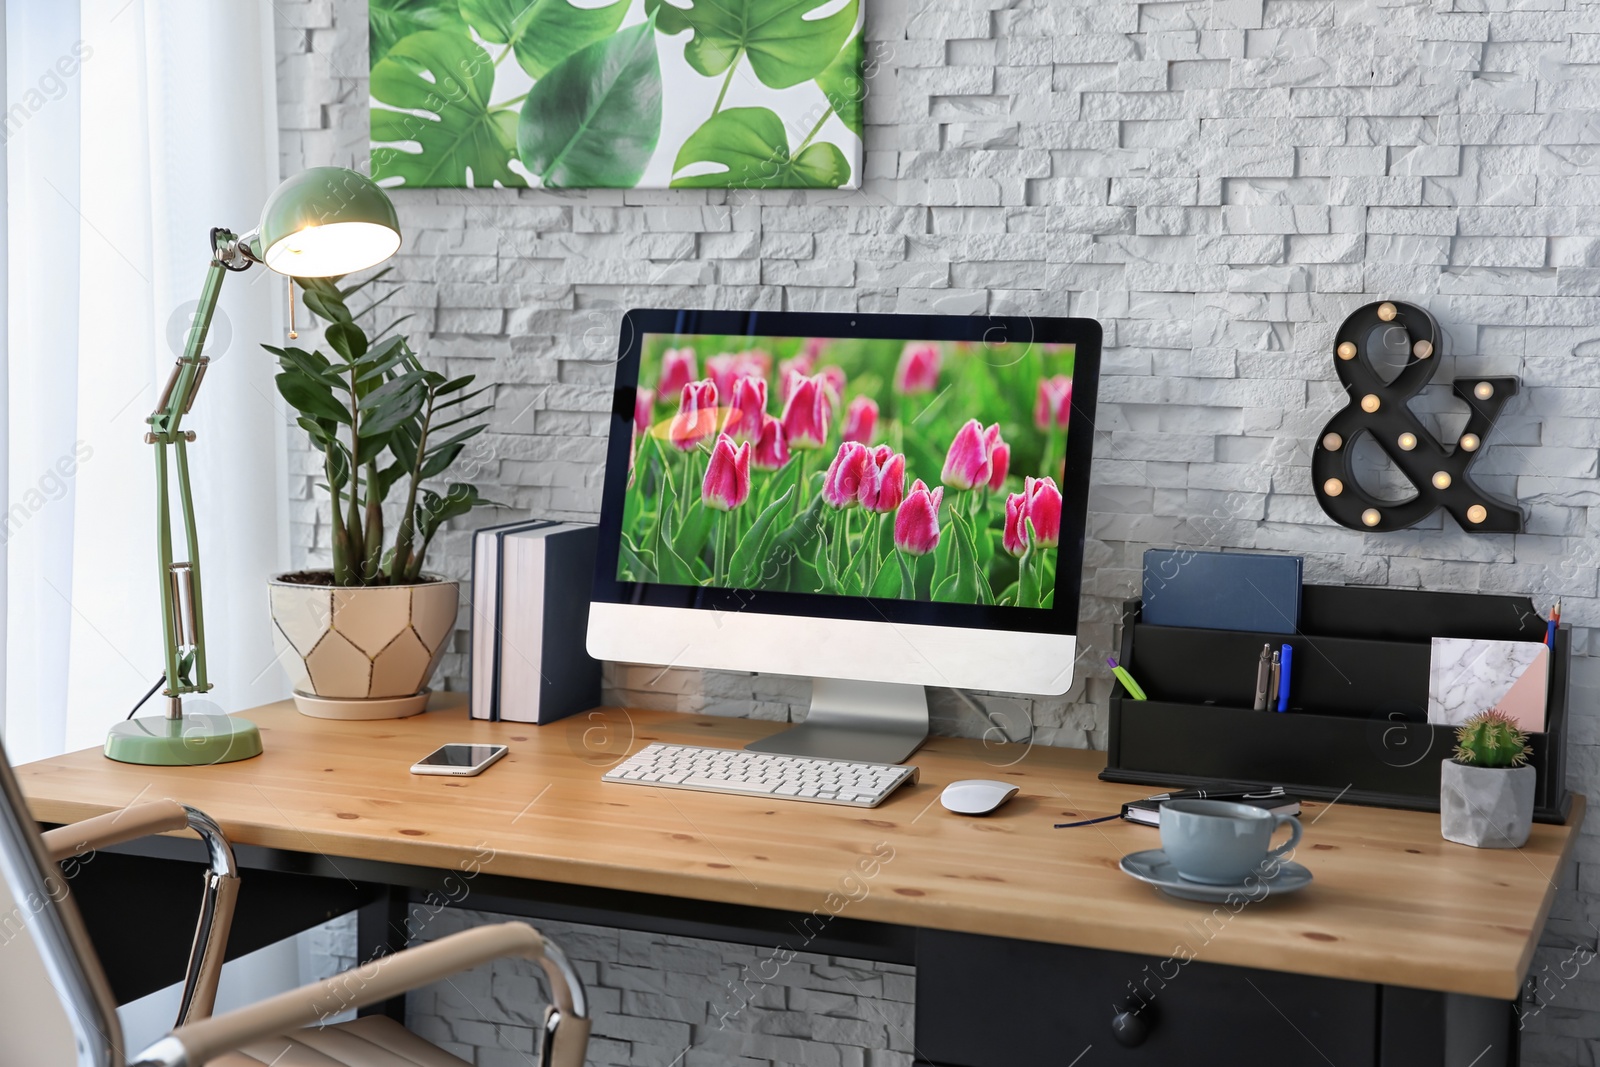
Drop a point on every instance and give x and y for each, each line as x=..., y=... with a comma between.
x=463, y=761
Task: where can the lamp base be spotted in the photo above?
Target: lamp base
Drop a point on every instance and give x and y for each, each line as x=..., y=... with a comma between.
x=196, y=740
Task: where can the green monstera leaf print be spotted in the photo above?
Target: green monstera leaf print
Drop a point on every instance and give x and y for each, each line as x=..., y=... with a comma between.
x=784, y=46
x=390, y=20
x=463, y=141
x=595, y=119
x=542, y=33
x=752, y=147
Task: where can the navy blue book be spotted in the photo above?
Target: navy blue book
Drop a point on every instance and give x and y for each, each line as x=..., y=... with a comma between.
x=1222, y=590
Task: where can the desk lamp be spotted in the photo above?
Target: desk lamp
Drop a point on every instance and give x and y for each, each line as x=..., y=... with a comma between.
x=322, y=222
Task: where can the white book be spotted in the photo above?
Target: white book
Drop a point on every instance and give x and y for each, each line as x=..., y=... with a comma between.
x=487, y=546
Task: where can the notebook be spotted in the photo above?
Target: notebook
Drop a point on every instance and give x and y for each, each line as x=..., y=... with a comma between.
x=1222, y=590
x=1466, y=676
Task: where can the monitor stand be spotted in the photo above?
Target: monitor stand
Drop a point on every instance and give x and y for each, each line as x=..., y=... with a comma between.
x=872, y=722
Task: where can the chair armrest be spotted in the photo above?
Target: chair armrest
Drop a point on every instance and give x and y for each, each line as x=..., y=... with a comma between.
x=114, y=828
x=220, y=891
x=567, y=1024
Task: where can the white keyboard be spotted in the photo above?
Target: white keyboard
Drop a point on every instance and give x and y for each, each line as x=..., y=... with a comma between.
x=762, y=774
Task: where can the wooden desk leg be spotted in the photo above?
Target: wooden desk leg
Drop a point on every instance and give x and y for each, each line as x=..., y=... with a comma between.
x=380, y=931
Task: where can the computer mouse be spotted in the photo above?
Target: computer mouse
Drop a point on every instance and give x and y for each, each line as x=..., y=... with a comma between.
x=976, y=796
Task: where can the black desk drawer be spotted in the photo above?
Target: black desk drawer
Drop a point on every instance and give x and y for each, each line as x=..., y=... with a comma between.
x=990, y=1002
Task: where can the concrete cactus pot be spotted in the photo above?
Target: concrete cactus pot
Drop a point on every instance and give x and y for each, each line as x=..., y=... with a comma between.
x=364, y=652
x=1486, y=807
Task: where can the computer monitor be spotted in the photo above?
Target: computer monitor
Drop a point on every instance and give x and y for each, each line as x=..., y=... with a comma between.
x=881, y=502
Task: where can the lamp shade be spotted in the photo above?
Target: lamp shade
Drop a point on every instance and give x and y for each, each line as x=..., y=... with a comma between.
x=327, y=221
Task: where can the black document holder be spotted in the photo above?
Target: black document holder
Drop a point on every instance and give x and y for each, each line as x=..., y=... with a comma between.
x=1357, y=726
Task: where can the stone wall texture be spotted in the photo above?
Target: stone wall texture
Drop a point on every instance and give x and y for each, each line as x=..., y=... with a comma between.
x=1219, y=182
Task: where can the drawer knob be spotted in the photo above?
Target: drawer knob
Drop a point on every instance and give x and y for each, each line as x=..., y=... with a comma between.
x=1133, y=1022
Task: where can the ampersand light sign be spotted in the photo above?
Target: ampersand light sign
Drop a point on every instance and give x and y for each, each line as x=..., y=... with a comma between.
x=1380, y=408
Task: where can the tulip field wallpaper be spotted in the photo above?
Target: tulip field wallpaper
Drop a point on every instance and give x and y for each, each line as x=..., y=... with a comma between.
x=724, y=94
x=925, y=470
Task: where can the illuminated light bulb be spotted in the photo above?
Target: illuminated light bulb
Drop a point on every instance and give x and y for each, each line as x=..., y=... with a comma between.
x=1408, y=441
x=1441, y=480
x=1371, y=517
x=1370, y=403
x=1333, y=487
x=1332, y=442
x=1347, y=350
x=1470, y=442
x=1483, y=390
x=1387, y=311
x=1477, y=513
x=1422, y=349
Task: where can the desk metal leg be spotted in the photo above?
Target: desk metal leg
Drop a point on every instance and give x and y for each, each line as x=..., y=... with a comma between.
x=380, y=931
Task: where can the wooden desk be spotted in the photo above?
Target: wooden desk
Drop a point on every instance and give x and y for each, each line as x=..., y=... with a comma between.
x=1393, y=904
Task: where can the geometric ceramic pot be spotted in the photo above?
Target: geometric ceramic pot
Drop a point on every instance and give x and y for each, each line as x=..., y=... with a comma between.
x=1486, y=807
x=364, y=652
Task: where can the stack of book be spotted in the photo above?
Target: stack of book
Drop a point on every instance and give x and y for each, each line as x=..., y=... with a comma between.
x=531, y=582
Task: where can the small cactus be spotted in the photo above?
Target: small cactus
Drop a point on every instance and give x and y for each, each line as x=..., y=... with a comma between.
x=1491, y=739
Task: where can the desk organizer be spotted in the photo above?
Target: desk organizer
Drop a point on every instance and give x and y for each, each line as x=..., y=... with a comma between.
x=1357, y=726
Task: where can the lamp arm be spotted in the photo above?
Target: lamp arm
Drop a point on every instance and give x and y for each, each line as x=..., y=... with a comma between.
x=182, y=615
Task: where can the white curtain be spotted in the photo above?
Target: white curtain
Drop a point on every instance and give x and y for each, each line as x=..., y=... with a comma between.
x=132, y=127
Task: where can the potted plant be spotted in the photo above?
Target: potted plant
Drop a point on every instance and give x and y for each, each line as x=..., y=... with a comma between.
x=1486, y=791
x=362, y=639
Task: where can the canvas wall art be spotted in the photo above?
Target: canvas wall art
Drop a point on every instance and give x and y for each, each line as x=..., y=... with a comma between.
x=653, y=94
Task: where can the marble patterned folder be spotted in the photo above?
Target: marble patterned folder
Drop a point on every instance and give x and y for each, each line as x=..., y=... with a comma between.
x=1467, y=676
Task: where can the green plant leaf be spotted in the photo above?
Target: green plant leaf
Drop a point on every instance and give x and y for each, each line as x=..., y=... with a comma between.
x=964, y=566
x=390, y=20
x=790, y=546
x=595, y=119
x=463, y=139
x=347, y=339
x=752, y=147
x=311, y=397
x=844, y=83
x=674, y=570
x=745, y=566
x=785, y=47
x=542, y=33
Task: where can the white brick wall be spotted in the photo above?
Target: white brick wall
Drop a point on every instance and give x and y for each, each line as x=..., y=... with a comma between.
x=1219, y=182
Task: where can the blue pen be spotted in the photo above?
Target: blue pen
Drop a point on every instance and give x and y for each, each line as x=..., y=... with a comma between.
x=1286, y=658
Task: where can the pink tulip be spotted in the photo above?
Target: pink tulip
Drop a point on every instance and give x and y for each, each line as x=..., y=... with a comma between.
x=644, y=402
x=727, y=482
x=1039, y=503
x=999, y=456
x=966, y=465
x=772, y=448
x=747, y=405
x=883, y=480
x=861, y=421
x=677, y=370
x=812, y=351
x=916, y=524
x=918, y=371
x=842, y=486
x=788, y=374
x=1015, y=538
x=1044, y=510
x=833, y=381
x=807, y=413
x=1054, y=403
x=727, y=368
x=697, y=415
x=788, y=370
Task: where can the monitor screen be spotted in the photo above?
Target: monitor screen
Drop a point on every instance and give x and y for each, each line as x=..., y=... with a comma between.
x=911, y=468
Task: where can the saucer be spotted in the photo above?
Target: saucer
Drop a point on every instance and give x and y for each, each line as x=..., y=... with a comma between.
x=1152, y=866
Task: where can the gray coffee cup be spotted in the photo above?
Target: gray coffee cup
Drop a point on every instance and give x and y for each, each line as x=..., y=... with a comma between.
x=1221, y=843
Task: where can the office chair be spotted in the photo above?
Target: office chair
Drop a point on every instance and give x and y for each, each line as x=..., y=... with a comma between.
x=56, y=1007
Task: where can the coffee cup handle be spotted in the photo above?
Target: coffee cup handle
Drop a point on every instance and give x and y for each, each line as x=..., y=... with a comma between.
x=1295, y=830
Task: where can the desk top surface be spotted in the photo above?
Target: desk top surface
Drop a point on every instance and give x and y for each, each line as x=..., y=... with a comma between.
x=1392, y=901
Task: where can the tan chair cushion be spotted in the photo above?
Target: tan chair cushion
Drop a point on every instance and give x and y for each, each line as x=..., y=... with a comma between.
x=375, y=1041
